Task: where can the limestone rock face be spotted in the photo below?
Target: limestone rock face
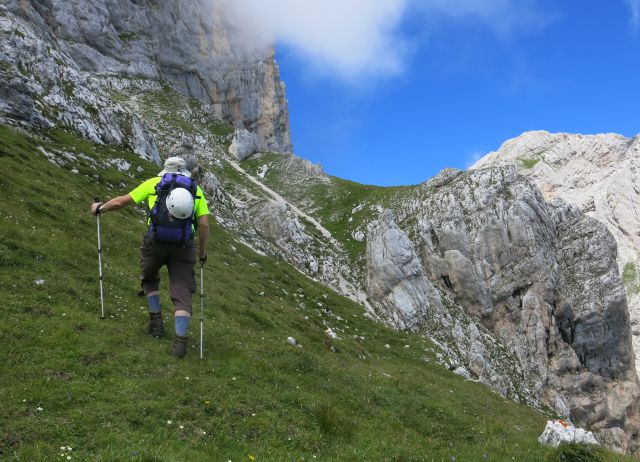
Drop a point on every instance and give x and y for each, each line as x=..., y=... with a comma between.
x=396, y=277
x=189, y=43
x=599, y=174
x=540, y=277
x=40, y=86
x=405, y=297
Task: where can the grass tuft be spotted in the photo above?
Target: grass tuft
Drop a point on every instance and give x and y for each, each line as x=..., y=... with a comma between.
x=333, y=422
x=574, y=452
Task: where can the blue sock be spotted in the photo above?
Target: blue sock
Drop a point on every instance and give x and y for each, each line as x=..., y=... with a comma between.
x=182, y=325
x=153, y=302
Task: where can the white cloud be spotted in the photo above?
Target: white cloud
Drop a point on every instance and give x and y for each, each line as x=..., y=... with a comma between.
x=352, y=39
x=349, y=38
x=635, y=12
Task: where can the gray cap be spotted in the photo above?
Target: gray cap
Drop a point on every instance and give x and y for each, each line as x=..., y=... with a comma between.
x=175, y=165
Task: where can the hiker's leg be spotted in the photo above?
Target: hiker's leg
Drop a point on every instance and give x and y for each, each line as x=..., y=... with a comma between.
x=182, y=284
x=152, y=257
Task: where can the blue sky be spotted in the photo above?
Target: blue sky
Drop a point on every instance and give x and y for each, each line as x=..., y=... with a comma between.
x=442, y=86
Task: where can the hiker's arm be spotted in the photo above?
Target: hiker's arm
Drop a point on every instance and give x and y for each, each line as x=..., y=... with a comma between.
x=203, y=236
x=114, y=204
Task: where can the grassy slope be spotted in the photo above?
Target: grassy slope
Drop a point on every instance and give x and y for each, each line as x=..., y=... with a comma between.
x=330, y=201
x=108, y=390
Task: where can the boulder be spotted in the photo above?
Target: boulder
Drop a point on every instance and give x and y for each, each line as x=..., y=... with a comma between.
x=558, y=431
x=243, y=145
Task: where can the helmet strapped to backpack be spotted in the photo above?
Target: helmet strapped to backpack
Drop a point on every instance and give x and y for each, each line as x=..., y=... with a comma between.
x=172, y=215
x=180, y=203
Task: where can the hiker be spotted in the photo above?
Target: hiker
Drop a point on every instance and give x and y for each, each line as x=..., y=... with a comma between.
x=177, y=207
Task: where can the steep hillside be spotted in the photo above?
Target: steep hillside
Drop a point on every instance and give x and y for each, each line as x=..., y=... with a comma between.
x=109, y=392
x=475, y=271
x=523, y=294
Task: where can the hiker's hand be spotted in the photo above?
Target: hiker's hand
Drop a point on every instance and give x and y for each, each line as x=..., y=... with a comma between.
x=95, y=207
x=203, y=259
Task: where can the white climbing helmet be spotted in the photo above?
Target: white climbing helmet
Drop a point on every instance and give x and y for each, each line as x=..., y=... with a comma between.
x=180, y=203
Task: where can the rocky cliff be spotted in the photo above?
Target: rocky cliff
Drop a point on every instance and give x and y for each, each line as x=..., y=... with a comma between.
x=598, y=174
x=539, y=277
x=191, y=45
x=519, y=292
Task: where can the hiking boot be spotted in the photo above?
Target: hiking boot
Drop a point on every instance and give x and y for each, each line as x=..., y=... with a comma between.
x=156, y=327
x=179, y=346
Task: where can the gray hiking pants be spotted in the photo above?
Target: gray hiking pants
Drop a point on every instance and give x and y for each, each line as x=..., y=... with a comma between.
x=180, y=260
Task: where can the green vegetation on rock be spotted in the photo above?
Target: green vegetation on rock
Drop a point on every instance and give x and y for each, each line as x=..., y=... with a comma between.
x=128, y=37
x=529, y=163
x=342, y=206
x=630, y=278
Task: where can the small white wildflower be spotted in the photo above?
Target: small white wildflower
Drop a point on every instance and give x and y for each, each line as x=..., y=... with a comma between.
x=186, y=378
x=169, y=422
x=181, y=427
x=68, y=457
x=233, y=378
x=387, y=346
x=39, y=408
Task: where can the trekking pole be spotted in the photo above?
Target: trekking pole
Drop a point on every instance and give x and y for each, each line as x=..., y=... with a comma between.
x=100, y=265
x=201, y=306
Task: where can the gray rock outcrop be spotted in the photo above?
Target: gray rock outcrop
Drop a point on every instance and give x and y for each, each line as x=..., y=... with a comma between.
x=243, y=145
x=191, y=44
x=540, y=277
x=599, y=174
x=40, y=86
x=406, y=298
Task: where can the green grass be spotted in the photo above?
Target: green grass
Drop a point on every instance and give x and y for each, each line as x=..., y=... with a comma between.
x=630, y=278
x=529, y=163
x=106, y=389
x=332, y=201
x=572, y=452
x=128, y=36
